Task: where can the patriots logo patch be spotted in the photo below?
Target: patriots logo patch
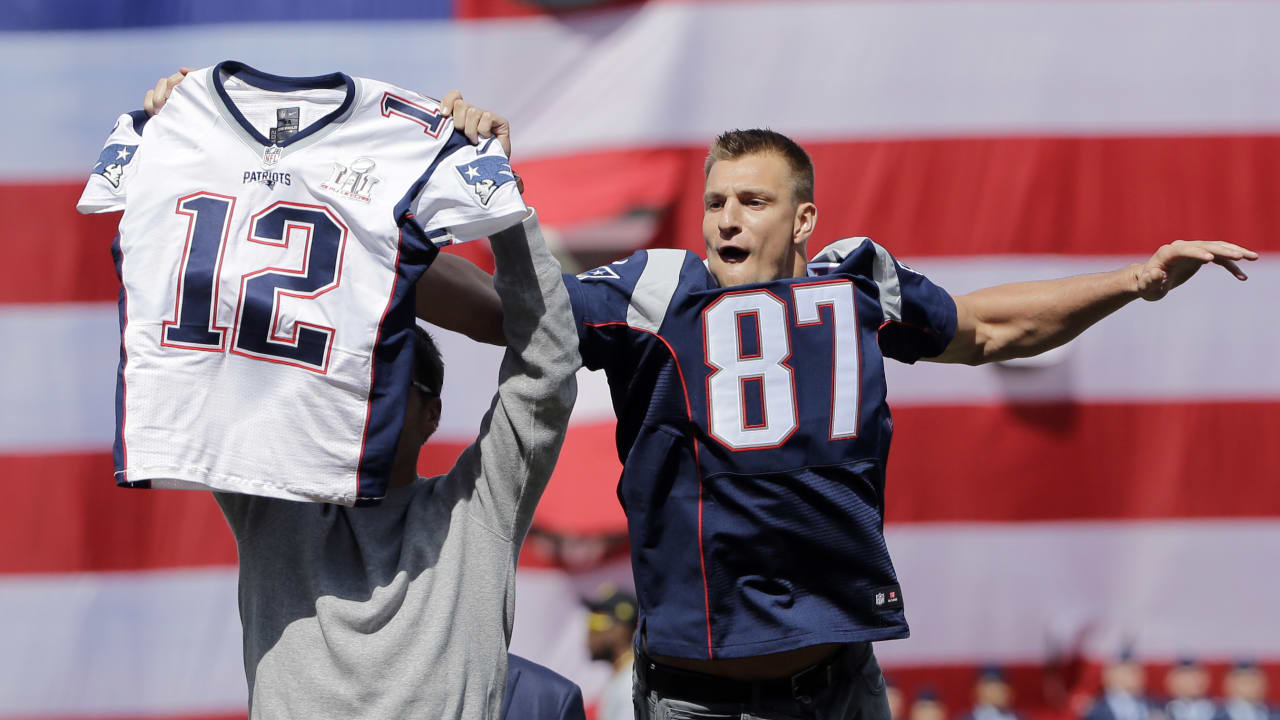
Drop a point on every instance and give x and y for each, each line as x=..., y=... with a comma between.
x=111, y=162
x=485, y=175
x=601, y=273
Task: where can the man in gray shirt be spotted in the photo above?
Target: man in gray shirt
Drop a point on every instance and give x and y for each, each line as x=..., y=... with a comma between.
x=404, y=609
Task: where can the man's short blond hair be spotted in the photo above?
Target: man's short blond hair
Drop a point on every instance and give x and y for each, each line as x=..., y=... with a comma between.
x=739, y=143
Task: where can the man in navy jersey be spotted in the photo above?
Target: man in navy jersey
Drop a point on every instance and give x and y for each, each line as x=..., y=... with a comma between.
x=754, y=433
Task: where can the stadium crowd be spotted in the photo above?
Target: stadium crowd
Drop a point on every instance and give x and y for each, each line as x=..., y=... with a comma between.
x=1123, y=695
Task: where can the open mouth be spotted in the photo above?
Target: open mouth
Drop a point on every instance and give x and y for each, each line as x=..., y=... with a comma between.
x=732, y=254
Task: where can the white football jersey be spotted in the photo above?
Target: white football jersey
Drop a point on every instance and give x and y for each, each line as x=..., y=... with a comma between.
x=272, y=234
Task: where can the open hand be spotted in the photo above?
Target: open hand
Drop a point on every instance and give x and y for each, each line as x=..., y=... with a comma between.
x=1174, y=263
x=159, y=95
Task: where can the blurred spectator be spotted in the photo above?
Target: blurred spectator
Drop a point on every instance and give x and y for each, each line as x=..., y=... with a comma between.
x=1123, y=696
x=537, y=693
x=1188, y=684
x=992, y=696
x=893, y=694
x=927, y=706
x=1245, y=694
x=611, y=633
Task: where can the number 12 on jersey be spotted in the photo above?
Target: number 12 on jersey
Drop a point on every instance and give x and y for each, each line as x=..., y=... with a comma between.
x=256, y=331
x=763, y=372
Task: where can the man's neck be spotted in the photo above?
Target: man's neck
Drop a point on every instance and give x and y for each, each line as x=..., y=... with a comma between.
x=404, y=470
x=799, y=264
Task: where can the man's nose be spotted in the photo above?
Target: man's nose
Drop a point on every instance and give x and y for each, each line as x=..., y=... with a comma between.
x=730, y=219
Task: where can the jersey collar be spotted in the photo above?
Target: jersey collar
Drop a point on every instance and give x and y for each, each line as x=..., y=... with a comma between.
x=277, y=83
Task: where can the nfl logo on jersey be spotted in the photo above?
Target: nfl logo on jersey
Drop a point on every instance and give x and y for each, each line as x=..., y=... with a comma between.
x=271, y=156
x=879, y=598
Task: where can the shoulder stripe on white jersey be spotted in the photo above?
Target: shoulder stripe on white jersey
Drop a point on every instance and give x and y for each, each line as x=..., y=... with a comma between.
x=655, y=288
x=885, y=273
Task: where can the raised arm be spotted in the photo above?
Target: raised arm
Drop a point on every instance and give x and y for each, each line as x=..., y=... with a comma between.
x=508, y=467
x=456, y=295
x=1024, y=319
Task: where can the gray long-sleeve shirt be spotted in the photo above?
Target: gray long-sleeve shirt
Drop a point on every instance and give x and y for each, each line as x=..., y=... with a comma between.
x=405, y=609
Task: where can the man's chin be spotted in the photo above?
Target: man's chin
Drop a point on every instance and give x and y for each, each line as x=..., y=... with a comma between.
x=731, y=274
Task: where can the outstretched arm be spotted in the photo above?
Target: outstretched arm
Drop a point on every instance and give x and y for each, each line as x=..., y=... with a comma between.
x=1024, y=319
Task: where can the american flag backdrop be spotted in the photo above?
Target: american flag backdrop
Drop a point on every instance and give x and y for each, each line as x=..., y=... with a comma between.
x=1123, y=490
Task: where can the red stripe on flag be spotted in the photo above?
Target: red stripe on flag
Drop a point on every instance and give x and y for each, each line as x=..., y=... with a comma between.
x=996, y=464
x=1087, y=196
x=1083, y=196
x=51, y=253
x=1061, y=461
x=581, y=498
x=78, y=520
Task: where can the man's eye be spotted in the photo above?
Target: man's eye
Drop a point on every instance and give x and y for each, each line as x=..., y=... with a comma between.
x=714, y=205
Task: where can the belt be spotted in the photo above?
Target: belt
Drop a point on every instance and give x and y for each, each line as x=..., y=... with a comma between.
x=802, y=685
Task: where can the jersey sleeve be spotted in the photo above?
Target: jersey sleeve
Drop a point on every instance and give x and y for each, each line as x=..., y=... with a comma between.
x=469, y=193
x=108, y=184
x=600, y=299
x=919, y=317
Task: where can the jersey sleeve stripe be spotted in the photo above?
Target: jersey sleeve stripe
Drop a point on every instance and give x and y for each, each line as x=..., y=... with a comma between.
x=885, y=273
x=140, y=118
x=655, y=288
x=455, y=142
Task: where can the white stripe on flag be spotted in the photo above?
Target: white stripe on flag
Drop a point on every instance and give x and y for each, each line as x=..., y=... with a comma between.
x=1010, y=593
x=119, y=644
x=59, y=387
x=1209, y=325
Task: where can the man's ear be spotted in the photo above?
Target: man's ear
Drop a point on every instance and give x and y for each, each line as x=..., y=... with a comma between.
x=805, y=221
x=431, y=416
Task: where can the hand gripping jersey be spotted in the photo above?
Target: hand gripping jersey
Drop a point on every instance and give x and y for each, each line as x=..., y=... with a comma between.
x=753, y=431
x=272, y=234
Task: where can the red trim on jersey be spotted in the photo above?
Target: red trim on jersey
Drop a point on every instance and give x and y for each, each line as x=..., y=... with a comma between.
x=373, y=364
x=742, y=401
x=913, y=326
x=737, y=319
x=688, y=406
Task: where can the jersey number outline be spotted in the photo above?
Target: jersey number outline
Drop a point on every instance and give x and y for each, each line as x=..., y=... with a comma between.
x=429, y=118
x=766, y=368
x=256, y=329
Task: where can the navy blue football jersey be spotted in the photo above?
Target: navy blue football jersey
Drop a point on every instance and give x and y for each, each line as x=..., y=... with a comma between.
x=753, y=432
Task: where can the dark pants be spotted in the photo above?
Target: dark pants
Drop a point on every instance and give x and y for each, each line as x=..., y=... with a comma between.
x=852, y=688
